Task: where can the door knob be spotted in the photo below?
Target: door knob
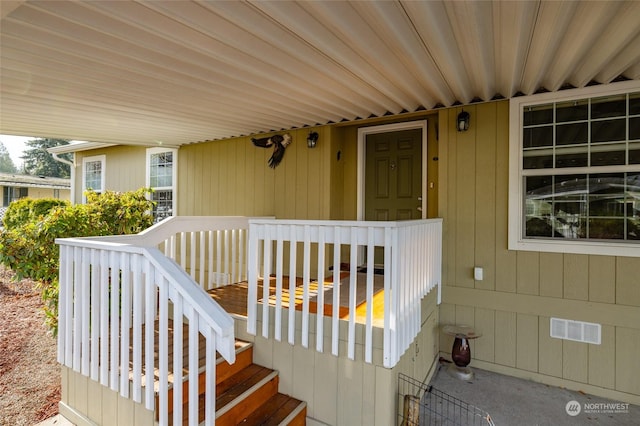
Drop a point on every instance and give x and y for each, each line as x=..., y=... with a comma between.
x=419, y=209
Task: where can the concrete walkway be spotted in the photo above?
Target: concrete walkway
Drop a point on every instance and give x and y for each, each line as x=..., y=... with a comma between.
x=55, y=421
x=516, y=402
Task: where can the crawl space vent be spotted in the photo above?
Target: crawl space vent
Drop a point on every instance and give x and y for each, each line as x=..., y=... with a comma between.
x=578, y=331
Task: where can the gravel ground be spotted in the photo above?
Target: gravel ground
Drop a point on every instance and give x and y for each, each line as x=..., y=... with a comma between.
x=29, y=372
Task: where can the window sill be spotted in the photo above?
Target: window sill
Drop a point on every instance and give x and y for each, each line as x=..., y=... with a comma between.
x=577, y=247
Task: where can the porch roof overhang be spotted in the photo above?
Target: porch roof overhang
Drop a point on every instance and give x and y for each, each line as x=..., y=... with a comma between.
x=170, y=73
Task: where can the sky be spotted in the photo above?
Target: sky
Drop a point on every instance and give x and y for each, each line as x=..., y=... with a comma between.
x=15, y=145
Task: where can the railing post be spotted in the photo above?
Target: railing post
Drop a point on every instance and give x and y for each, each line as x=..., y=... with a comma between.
x=252, y=269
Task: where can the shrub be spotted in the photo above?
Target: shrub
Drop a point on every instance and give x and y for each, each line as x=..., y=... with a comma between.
x=23, y=210
x=30, y=249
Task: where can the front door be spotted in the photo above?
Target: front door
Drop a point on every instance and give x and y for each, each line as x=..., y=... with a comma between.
x=393, y=175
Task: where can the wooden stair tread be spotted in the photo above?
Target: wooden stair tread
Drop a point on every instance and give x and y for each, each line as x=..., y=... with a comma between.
x=239, y=383
x=276, y=410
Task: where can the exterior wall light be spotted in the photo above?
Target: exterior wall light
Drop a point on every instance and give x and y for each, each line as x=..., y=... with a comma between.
x=312, y=139
x=463, y=121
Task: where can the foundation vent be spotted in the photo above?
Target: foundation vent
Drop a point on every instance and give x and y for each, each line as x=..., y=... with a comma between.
x=578, y=331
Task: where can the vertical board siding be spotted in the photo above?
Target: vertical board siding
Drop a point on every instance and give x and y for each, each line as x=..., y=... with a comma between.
x=505, y=259
x=549, y=350
x=465, y=203
x=473, y=198
x=576, y=276
x=485, y=202
x=601, y=271
x=232, y=177
x=626, y=354
x=551, y=276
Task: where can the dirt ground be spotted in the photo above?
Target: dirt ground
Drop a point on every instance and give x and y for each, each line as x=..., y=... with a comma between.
x=29, y=372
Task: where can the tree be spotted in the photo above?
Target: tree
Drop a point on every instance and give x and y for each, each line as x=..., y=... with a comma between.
x=6, y=163
x=38, y=162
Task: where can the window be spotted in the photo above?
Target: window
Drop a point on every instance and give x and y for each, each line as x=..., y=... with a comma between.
x=12, y=193
x=161, y=177
x=93, y=171
x=575, y=171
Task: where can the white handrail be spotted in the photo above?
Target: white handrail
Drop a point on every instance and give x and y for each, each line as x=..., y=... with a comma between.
x=412, y=267
x=111, y=294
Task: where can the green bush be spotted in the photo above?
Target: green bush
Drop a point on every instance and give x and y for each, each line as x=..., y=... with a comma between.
x=30, y=249
x=24, y=210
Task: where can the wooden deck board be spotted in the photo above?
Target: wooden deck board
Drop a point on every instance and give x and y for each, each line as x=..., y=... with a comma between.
x=233, y=298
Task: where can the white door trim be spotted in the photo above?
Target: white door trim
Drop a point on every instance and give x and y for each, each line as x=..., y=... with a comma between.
x=386, y=128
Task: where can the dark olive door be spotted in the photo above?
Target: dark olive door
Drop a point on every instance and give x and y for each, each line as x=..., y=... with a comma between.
x=393, y=175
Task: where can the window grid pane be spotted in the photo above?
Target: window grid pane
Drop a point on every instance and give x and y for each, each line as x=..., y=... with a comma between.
x=592, y=132
x=93, y=175
x=595, y=206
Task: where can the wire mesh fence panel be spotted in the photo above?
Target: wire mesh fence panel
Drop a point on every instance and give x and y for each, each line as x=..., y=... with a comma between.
x=420, y=404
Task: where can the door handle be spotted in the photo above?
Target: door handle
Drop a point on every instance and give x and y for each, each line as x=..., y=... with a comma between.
x=419, y=209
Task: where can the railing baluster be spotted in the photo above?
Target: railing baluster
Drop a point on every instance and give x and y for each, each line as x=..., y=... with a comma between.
x=64, y=304
x=149, y=347
x=210, y=281
x=210, y=378
x=266, y=282
x=163, y=356
x=335, y=317
x=293, y=249
x=320, y=296
x=305, y=285
x=193, y=254
x=94, y=282
x=86, y=314
x=234, y=265
x=368, y=349
x=389, y=270
x=279, y=266
x=104, y=318
x=193, y=367
x=125, y=323
x=178, y=340
x=202, y=253
x=353, y=282
x=114, y=268
x=137, y=328
x=77, y=307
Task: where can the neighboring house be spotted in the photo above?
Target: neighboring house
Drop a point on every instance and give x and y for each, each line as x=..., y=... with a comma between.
x=16, y=186
x=509, y=132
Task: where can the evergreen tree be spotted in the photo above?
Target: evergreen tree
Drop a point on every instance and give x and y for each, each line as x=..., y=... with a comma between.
x=6, y=163
x=38, y=162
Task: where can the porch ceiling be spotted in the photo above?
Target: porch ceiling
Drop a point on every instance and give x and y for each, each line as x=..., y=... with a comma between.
x=153, y=72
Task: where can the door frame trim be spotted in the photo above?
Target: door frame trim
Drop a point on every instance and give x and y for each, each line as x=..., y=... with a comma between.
x=387, y=128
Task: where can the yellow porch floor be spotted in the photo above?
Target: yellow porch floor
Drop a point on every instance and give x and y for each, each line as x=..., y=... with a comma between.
x=233, y=298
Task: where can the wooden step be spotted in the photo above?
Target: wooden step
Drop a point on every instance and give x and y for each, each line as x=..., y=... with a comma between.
x=278, y=410
x=246, y=394
x=224, y=370
x=243, y=393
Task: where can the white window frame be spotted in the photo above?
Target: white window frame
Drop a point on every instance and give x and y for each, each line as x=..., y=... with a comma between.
x=103, y=167
x=174, y=175
x=517, y=241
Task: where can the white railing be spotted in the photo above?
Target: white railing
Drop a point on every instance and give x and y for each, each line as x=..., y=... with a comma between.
x=412, y=257
x=212, y=249
x=113, y=288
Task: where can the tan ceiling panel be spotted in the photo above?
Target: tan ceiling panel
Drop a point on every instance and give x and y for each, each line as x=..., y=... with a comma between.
x=150, y=72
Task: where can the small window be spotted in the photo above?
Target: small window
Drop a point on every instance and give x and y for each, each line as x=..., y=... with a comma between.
x=93, y=174
x=161, y=178
x=12, y=193
x=575, y=171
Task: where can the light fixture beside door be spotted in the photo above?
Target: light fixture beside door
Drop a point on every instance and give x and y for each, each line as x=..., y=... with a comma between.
x=462, y=124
